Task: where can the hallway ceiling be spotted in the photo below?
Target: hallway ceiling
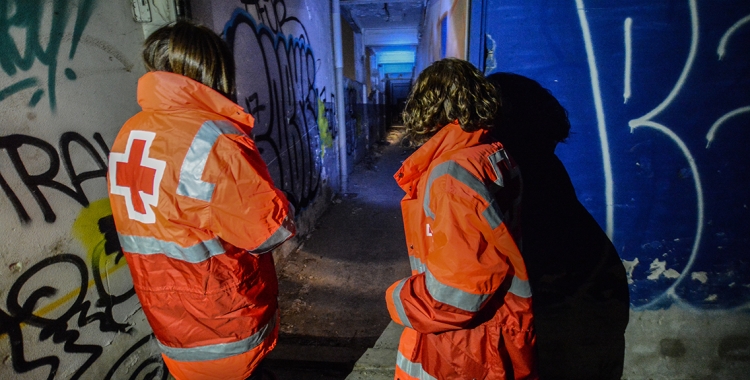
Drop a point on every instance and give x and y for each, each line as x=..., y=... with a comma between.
x=390, y=29
x=369, y=14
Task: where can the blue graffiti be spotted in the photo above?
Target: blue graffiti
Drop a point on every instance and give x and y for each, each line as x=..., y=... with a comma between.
x=27, y=15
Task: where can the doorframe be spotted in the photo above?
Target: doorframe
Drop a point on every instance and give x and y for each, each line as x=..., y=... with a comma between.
x=476, y=36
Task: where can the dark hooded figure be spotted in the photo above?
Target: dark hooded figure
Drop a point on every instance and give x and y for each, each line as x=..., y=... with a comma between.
x=581, y=299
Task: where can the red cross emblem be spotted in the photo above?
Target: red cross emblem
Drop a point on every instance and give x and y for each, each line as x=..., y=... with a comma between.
x=136, y=176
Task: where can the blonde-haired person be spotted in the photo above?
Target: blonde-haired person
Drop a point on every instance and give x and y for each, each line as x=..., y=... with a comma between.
x=466, y=307
x=197, y=212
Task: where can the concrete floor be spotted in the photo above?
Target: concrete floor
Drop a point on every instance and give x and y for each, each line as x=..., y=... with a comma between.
x=332, y=288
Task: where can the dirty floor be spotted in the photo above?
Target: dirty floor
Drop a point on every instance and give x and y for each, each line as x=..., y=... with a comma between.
x=331, y=290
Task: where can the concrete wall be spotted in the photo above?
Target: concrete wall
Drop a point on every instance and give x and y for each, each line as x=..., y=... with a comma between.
x=357, y=112
x=658, y=95
x=444, y=32
x=285, y=79
x=68, y=82
x=348, y=49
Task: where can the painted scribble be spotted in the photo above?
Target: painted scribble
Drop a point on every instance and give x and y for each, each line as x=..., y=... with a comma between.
x=674, y=274
x=657, y=95
x=45, y=320
x=13, y=145
x=65, y=312
x=41, y=45
x=280, y=91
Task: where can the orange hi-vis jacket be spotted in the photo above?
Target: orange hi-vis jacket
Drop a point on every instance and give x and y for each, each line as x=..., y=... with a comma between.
x=467, y=306
x=197, y=215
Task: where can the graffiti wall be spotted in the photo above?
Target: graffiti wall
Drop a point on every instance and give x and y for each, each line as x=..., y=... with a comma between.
x=68, y=71
x=68, y=82
x=659, y=108
x=283, y=51
x=658, y=94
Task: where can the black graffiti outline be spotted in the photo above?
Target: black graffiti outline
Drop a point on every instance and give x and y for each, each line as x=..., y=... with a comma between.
x=111, y=246
x=23, y=313
x=34, y=182
x=300, y=167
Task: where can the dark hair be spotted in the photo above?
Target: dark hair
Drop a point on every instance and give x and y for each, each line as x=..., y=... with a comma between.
x=193, y=51
x=532, y=121
x=448, y=90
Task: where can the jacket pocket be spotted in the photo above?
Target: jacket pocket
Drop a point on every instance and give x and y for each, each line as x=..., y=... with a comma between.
x=461, y=354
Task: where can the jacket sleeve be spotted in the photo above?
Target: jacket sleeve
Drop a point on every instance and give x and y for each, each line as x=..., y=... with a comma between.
x=247, y=210
x=471, y=267
x=462, y=270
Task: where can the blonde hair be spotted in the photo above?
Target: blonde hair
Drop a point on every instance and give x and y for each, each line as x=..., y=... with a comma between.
x=193, y=51
x=446, y=91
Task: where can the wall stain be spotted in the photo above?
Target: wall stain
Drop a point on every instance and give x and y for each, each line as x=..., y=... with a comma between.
x=672, y=348
x=735, y=348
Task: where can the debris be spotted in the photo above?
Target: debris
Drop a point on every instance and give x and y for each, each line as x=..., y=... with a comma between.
x=15, y=267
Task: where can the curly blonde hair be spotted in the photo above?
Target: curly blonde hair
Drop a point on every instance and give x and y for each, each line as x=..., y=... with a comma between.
x=446, y=91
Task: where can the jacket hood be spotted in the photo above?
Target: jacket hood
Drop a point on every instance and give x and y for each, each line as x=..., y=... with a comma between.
x=165, y=91
x=450, y=137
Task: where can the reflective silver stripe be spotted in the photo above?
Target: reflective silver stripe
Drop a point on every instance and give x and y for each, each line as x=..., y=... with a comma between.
x=453, y=296
x=150, y=246
x=453, y=169
x=272, y=242
x=520, y=288
x=221, y=350
x=495, y=160
x=190, y=184
x=417, y=264
x=411, y=368
x=399, y=306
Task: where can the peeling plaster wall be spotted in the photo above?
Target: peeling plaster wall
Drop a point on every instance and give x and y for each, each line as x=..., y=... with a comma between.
x=68, y=72
x=658, y=96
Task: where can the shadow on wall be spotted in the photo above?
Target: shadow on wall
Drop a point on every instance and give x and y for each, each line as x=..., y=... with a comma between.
x=660, y=106
x=581, y=300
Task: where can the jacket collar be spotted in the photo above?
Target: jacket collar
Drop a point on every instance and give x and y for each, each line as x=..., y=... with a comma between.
x=164, y=91
x=449, y=138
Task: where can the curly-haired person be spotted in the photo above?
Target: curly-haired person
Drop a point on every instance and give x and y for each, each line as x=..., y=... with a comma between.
x=466, y=307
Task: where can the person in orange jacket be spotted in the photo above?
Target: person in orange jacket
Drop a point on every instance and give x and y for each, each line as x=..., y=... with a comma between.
x=196, y=211
x=466, y=307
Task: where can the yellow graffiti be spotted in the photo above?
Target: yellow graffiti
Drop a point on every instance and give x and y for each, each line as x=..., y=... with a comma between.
x=86, y=230
x=326, y=139
x=86, y=226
